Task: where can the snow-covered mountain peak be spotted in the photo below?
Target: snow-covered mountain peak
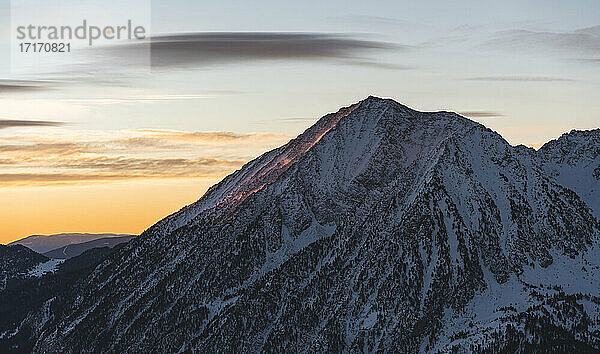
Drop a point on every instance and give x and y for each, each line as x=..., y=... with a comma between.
x=380, y=228
x=352, y=137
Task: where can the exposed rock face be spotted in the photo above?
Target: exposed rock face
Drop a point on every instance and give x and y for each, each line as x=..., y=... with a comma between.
x=574, y=159
x=379, y=228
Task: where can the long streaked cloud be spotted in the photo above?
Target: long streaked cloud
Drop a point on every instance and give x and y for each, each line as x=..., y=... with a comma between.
x=590, y=60
x=125, y=155
x=155, y=165
x=18, y=86
x=45, y=179
x=135, y=140
x=298, y=119
x=210, y=137
x=8, y=123
x=481, y=114
x=206, y=49
x=44, y=149
x=149, y=98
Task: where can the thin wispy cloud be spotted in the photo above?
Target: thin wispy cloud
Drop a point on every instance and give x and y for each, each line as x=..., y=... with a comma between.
x=481, y=114
x=582, y=42
x=44, y=179
x=520, y=78
x=9, y=123
x=29, y=151
x=298, y=119
x=123, y=155
x=145, y=98
x=47, y=178
x=303, y=121
x=156, y=165
x=380, y=65
x=590, y=60
x=209, y=137
x=382, y=21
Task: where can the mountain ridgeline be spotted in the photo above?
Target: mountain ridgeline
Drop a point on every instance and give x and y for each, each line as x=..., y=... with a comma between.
x=380, y=228
x=55, y=243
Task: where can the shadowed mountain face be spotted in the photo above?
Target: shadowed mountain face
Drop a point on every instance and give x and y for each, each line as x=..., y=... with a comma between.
x=16, y=262
x=379, y=228
x=36, y=290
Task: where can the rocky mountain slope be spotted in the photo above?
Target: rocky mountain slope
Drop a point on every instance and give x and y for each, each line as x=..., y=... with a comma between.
x=379, y=228
x=574, y=159
x=17, y=262
x=28, y=292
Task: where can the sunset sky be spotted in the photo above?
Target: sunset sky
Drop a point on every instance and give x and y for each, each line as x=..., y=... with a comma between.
x=106, y=146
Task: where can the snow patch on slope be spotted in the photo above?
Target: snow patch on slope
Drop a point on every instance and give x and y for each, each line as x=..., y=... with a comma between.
x=45, y=268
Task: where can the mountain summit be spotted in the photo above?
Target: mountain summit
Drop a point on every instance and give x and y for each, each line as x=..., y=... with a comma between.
x=378, y=228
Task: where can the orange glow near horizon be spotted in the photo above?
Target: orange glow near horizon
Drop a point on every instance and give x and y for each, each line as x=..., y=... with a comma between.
x=115, y=207
x=112, y=181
